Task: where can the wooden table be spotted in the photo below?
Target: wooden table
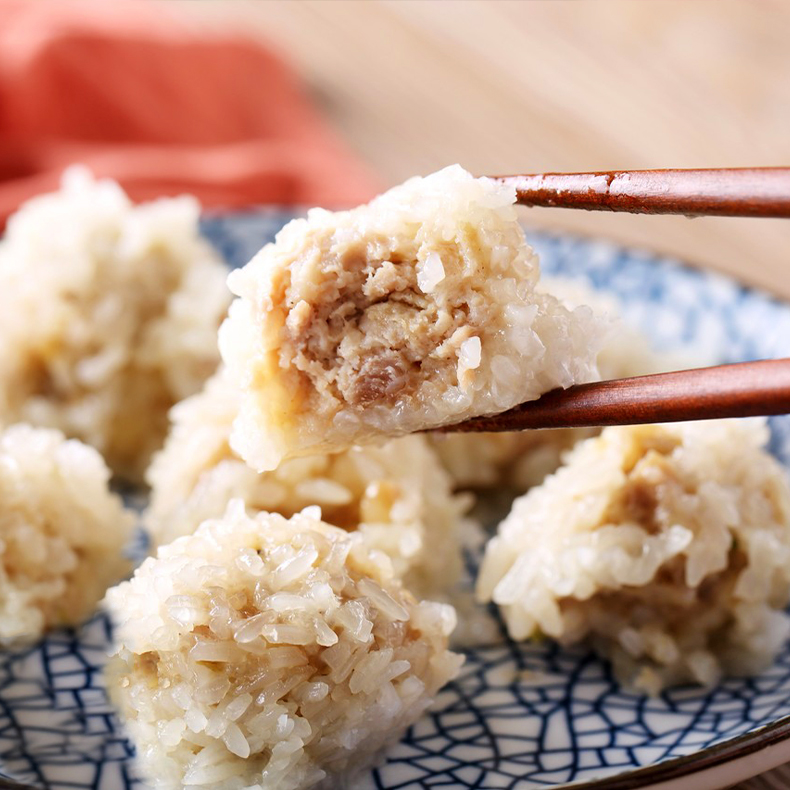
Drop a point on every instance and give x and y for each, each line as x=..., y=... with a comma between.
x=516, y=86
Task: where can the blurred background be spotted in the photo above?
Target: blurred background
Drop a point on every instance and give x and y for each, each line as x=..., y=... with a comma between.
x=550, y=85
x=392, y=88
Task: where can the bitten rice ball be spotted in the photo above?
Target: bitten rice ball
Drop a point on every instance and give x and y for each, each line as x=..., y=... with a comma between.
x=523, y=459
x=668, y=546
x=416, y=310
x=272, y=654
x=397, y=496
x=61, y=532
x=108, y=314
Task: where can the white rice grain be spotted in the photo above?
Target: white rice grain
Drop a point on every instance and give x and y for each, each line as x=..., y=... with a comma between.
x=667, y=546
x=62, y=533
x=365, y=313
x=396, y=497
x=107, y=318
x=337, y=676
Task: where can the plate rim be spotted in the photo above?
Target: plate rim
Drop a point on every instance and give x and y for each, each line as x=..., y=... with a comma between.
x=741, y=746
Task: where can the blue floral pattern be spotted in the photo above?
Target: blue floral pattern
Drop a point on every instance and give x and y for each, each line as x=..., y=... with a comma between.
x=520, y=715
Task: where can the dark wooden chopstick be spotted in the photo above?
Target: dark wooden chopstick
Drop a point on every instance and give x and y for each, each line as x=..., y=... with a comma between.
x=745, y=389
x=731, y=192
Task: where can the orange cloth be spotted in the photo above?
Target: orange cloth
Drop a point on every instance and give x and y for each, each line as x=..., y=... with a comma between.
x=136, y=93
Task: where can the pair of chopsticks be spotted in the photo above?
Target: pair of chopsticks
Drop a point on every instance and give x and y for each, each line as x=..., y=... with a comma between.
x=738, y=390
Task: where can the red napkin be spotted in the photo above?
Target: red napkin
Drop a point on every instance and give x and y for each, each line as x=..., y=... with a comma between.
x=138, y=94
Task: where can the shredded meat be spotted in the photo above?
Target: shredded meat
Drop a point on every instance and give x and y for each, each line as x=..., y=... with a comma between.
x=365, y=344
x=381, y=378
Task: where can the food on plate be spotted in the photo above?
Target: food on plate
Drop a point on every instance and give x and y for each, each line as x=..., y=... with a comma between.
x=61, y=532
x=308, y=541
x=397, y=496
x=514, y=459
x=271, y=653
x=108, y=316
x=416, y=310
x=522, y=459
x=667, y=546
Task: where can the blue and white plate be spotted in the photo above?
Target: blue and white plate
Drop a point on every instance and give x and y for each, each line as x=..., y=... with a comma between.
x=519, y=716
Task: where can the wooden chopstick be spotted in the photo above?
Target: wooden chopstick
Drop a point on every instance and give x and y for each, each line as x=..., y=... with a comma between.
x=745, y=389
x=730, y=192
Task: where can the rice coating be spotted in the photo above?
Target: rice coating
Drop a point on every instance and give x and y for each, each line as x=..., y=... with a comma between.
x=61, y=532
x=270, y=653
x=108, y=314
x=416, y=310
x=667, y=546
x=522, y=459
x=397, y=496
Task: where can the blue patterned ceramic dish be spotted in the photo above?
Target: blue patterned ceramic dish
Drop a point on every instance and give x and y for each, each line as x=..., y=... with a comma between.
x=519, y=716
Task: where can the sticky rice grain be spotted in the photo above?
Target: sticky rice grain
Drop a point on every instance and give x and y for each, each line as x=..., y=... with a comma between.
x=61, y=532
x=108, y=316
x=398, y=495
x=272, y=654
x=416, y=310
x=667, y=546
